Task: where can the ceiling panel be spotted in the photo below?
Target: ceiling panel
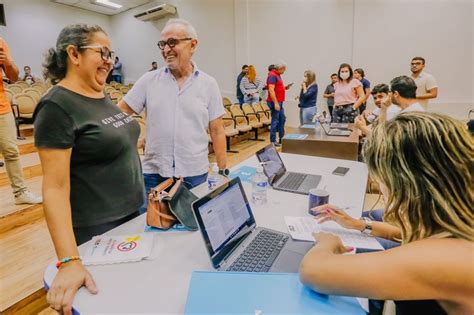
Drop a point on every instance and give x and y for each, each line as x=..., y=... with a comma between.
x=89, y=5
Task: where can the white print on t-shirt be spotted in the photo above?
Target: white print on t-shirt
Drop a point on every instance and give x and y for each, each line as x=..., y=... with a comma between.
x=117, y=120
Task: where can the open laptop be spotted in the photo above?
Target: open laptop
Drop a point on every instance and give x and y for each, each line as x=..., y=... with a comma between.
x=339, y=126
x=233, y=241
x=336, y=132
x=279, y=178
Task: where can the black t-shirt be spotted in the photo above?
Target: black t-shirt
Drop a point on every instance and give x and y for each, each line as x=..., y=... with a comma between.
x=106, y=175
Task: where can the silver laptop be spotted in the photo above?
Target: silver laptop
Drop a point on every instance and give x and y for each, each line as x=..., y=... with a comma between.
x=336, y=132
x=233, y=241
x=279, y=178
x=339, y=126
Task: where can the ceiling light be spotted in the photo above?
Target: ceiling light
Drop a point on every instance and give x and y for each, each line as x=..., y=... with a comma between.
x=108, y=4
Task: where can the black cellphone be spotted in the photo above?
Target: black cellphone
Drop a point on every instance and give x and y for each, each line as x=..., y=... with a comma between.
x=341, y=171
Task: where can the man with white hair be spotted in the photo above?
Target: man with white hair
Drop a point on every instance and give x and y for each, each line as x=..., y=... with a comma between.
x=275, y=99
x=181, y=103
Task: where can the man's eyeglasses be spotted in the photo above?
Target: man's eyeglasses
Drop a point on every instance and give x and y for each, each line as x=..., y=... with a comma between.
x=416, y=63
x=171, y=42
x=105, y=53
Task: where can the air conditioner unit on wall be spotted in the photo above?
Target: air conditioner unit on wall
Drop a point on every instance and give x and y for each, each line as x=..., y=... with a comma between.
x=156, y=13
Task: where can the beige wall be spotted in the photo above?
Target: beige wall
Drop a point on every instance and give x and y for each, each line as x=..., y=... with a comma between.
x=380, y=36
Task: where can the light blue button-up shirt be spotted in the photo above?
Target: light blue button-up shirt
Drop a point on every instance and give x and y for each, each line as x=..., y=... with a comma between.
x=177, y=120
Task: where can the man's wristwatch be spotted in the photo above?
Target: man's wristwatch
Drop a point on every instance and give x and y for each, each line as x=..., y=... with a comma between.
x=224, y=172
x=368, y=226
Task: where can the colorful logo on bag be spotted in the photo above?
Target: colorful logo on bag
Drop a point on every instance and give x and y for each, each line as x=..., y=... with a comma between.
x=126, y=246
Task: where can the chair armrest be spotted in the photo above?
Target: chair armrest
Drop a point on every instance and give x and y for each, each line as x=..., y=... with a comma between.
x=16, y=110
x=246, y=119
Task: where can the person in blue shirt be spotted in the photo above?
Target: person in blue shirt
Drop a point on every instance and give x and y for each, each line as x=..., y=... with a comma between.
x=307, y=98
x=117, y=71
x=359, y=74
x=243, y=73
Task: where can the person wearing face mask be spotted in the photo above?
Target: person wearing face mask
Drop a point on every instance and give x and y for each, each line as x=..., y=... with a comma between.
x=307, y=97
x=348, y=96
x=182, y=102
x=91, y=169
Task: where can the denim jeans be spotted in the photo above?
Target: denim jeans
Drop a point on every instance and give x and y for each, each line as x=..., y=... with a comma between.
x=344, y=114
x=251, y=99
x=241, y=100
x=307, y=114
x=278, y=122
x=117, y=78
x=152, y=180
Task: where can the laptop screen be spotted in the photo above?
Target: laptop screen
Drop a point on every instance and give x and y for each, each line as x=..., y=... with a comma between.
x=273, y=166
x=225, y=218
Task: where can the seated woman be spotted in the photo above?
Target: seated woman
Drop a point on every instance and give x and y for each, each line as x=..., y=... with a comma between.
x=424, y=164
x=251, y=87
x=92, y=177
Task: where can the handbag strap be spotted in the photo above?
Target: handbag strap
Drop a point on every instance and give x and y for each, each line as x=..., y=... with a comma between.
x=155, y=192
x=175, y=188
x=166, y=216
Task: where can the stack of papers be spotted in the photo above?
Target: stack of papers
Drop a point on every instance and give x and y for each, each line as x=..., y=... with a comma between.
x=106, y=249
x=302, y=228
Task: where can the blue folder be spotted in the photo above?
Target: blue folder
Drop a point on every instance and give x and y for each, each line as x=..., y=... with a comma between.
x=244, y=172
x=269, y=293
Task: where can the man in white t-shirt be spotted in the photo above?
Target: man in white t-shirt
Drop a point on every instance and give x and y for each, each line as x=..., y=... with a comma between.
x=403, y=94
x=427, y=87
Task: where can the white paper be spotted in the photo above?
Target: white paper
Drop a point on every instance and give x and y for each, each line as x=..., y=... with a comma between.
x=302, y=228
x=117, y=249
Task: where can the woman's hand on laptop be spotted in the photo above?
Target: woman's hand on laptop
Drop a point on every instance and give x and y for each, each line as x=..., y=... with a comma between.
x=328, y=212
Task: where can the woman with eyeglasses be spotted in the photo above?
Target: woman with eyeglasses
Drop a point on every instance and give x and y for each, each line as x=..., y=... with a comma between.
x=92, y=178
x=424, y=163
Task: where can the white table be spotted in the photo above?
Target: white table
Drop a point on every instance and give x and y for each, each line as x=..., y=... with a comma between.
x=160, y=285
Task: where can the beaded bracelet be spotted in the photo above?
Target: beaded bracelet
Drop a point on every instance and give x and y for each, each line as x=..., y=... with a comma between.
x=66, y=260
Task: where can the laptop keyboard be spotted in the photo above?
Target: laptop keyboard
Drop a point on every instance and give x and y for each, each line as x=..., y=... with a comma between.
x=292, y=181
x=261, y=252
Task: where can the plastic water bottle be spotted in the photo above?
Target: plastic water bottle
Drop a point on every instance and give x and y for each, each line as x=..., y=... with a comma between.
x=317, y=127
x=328, y=119
x=259, y=187
x=214, y=179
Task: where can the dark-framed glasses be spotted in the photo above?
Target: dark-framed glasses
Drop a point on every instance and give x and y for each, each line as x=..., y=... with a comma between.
x=105, y=53
x=171, y=42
